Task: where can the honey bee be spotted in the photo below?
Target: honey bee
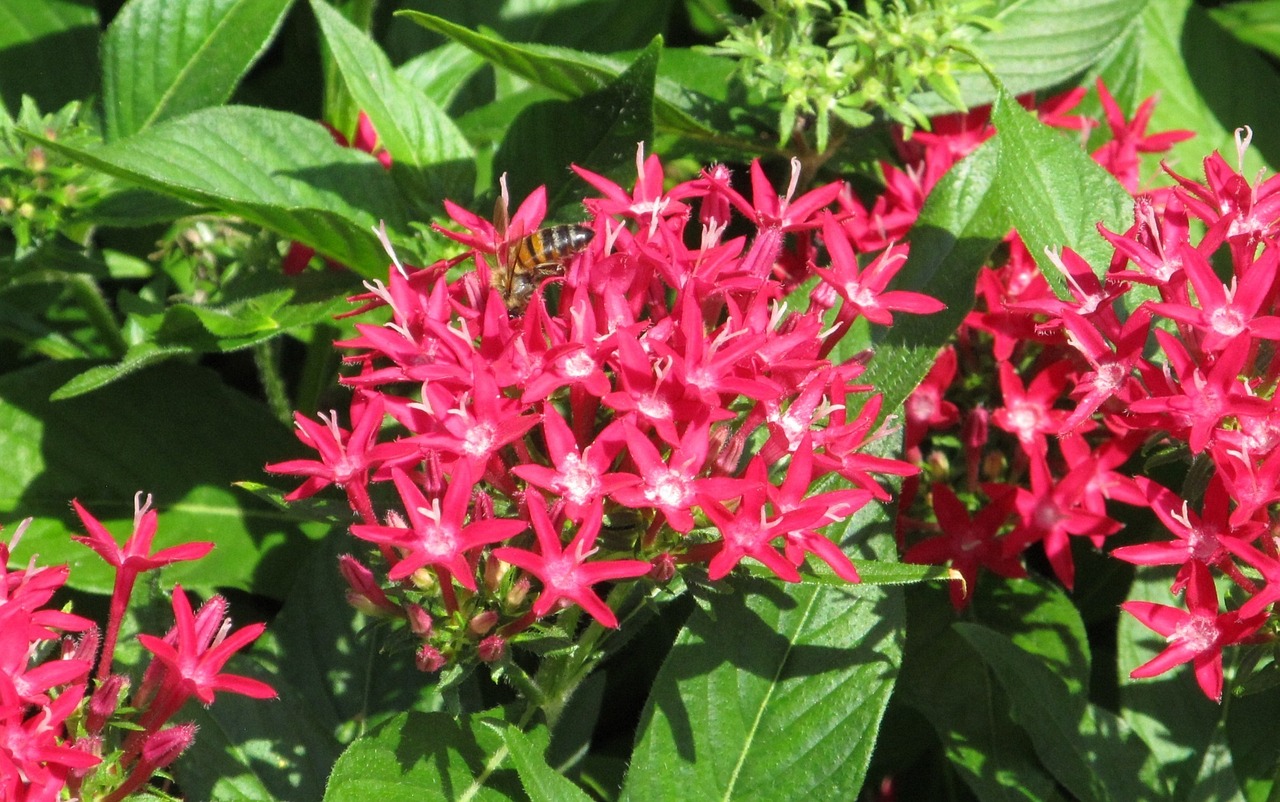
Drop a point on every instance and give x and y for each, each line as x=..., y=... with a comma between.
x=534, y=257
x=526, y=261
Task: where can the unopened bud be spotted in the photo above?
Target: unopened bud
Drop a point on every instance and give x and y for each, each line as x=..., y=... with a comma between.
x=428, y=659
x=433, y=475
x=363, y=592
x=482, y=622
x=163, y=747
x=662, y=568
x=494, y=571
x=104, y=702
x=492, y=649
x=420, y=622
x=519, y=590
x=424, y=578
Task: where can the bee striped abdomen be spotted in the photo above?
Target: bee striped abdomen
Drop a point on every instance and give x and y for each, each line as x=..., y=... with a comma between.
x=551, y=246
x=536, y=256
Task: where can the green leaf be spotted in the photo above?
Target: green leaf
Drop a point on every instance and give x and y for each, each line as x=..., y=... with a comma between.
x=947, y=682
x=255, y=750
x=421, y=757
x=274, y=169
x=162, y=59
x=175, y=431
x=767, y=683
x=1041, y=43
x=871, y=572
x=958, y=229
x=442, y=72
x=541, y=782
x=142, y=355
x=1039, y=618
x=420, y=137
x=48, y=50
x=333, y=672
x=1092, y=753
x=573, y=73
x=1053, y=193
x=1254, y=22
x=1183, y=728
x=607, y=126
x=1206, y=83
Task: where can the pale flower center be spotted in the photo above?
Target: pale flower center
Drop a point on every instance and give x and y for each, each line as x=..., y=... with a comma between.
x=922, y=405
x=437, y=541
x=1202, y=545
x=1109, y=377
x=668, y=488
x=1226, y=321
x=1025, y=419
x=479, y=441
x=653, y=407
x=1199, y=633
x=579, y=366
x=859, y=295
x=577, y=480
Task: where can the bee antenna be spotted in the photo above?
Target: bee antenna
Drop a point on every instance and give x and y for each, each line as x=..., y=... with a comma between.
x=380, y=231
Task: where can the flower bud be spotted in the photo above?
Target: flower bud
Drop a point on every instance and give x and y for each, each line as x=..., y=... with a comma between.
x=428, y=659
x=663, y=567
x=363, y=592
x=519, y=591
x=163, y=747
x=104, y=702
x=420, y=622
x=482, y=622
x=492, y=649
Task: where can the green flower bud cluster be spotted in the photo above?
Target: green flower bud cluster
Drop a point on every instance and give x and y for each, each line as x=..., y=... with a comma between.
x=817, y=59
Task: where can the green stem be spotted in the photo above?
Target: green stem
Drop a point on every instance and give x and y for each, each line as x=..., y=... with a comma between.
x=265, y=358
x=98, y=311
x=319, y=369
x=559, y=678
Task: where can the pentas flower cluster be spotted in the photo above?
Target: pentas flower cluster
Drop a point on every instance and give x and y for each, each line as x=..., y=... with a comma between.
x=69, y=726
x=1170, y=345
x=659, y=405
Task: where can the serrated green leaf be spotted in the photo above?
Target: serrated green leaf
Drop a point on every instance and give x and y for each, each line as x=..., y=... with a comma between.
x=769, y=683
x=1254, y=22
x=135, y=359
x=442, y=72
x=1092, y=753
x=573, y=73
x=48, y=50
x=871, y=572
x=274, y=169
x=1053, y=193
x=162, y=59
x=541, y=782
x=1042, y=43
x=422, y=757
x=1172, y=715
x=139, y=435
x=251, y=749
x=608, y=124
x=420, y=137
x=1206, y=83
x=1040, y=619
x=957, y=230
x=947, y=682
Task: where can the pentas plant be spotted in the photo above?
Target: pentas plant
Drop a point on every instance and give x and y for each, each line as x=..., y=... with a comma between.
x=70, y=725
x=1159, y=351
x=662, y=407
